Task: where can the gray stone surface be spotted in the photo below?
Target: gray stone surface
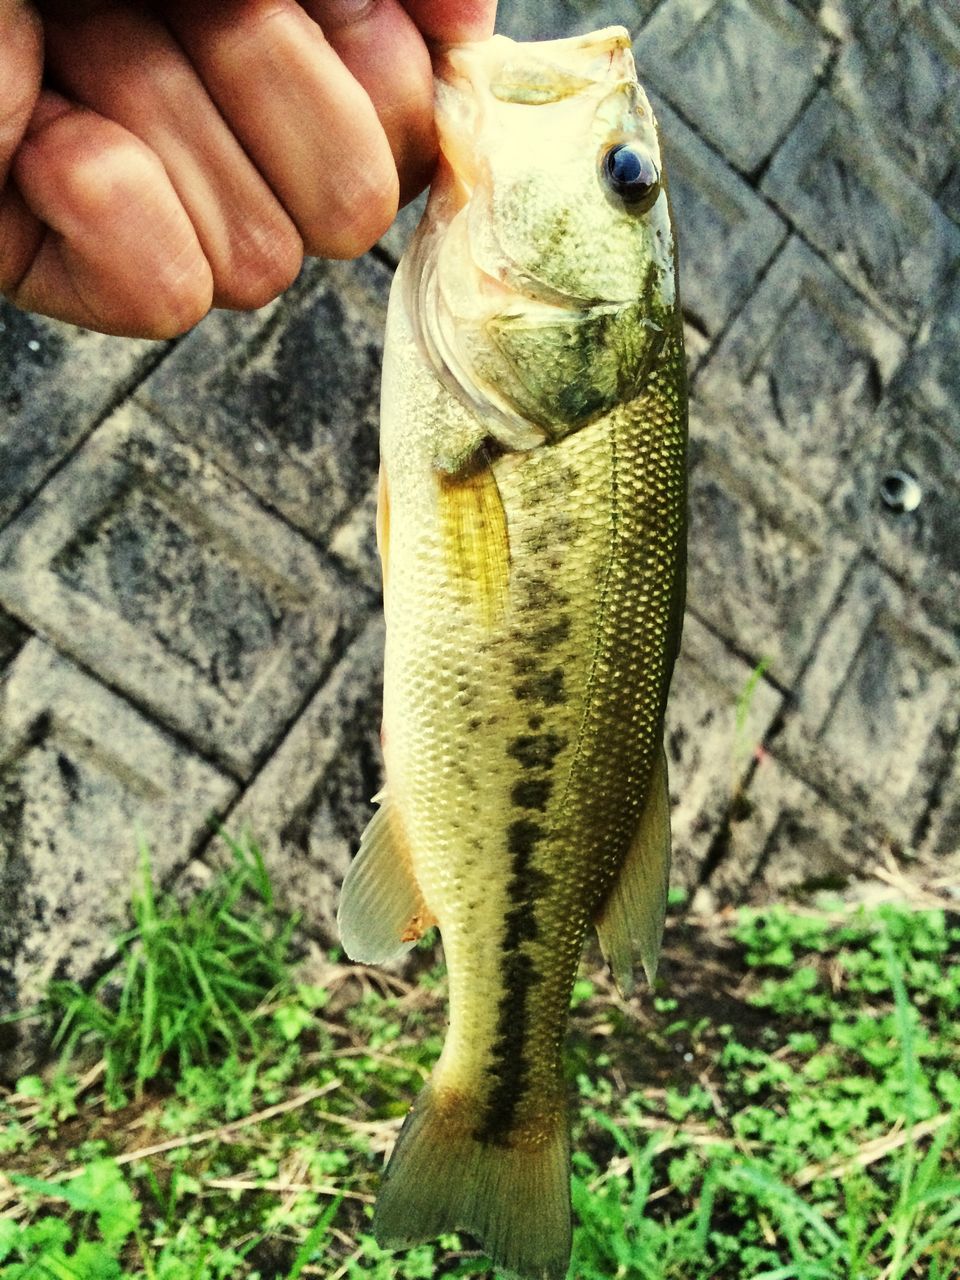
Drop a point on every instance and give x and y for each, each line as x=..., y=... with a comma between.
x=82, y=777
x=802, y=369
x=395, y=240
x=157, y=573
x=948, y=197
x=727, y=234
x=716, y=721
x=189, y=591
x=940, y=830
x=931, y=376
x=551, y=19
x=12, y=637
x=286, y=399
x=921, y=548
x=739, y=70
x=55, y=383
x=903, y=83
x=788, y=838
x=353, y=542
x=875, y=715
x=765, y=563
x=882, y=232
x=309, y=805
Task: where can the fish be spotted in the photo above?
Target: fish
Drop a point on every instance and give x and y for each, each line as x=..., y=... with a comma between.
x=531, y=526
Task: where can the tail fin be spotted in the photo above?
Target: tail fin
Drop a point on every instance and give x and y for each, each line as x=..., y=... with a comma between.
x=514, y=1198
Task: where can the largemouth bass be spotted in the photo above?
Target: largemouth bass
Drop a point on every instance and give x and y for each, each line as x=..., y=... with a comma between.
x=531, y=527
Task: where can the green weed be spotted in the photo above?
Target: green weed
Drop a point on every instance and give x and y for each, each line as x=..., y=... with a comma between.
x=186, y=983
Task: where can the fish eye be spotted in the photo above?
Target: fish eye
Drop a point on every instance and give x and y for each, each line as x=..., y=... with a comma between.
x=631, y=175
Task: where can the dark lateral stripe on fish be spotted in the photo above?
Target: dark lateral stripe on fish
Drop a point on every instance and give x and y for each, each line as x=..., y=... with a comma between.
x=549, y=637
x=532, y=793
x=544, y=686
x=509, y=1065
x=537, y=751
x=538, y=592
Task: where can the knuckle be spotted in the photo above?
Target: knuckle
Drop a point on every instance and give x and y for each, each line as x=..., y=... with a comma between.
x=100, y=181
x=257, y=29
x=182, y=305
x=138, y=90
x=265, y=262
x=355, y=219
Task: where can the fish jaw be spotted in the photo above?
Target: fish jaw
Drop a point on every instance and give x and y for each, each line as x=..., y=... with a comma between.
x=529, y=74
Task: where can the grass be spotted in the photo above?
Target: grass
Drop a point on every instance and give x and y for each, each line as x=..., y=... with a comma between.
x=785, y=1107
x=190, y=979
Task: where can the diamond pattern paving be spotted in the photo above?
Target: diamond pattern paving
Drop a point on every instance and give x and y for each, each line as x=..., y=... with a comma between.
x=884, y=235
x=738, y=70
x=729, y=233
x=164, y=578
x=55, y=383
x=802, y=369
x=877, y=707
x=286, y=399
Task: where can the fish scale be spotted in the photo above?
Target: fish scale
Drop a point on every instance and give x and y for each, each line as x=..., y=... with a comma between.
x=532, y=534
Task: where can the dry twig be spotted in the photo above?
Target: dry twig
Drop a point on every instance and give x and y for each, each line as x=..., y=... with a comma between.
x=871, y=1151
x=282, y=1187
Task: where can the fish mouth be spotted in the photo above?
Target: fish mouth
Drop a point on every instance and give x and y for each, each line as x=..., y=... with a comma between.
x=547, y=70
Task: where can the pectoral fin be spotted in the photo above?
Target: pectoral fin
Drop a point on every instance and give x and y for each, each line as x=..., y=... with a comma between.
x=382, y=911
x=630, y=924
x=475, y=540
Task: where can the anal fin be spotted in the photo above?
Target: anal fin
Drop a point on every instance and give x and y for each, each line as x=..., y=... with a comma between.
x=630, y=923
x=382, y=912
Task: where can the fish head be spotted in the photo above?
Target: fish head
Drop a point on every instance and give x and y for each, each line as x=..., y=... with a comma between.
x=542, y=281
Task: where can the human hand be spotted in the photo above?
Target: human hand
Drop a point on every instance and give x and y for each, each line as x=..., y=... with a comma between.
x=187, y=154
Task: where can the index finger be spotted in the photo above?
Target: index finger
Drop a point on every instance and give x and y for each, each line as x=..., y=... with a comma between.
x=451, y=21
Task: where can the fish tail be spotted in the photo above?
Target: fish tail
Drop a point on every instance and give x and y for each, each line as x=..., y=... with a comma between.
x=512, y=1194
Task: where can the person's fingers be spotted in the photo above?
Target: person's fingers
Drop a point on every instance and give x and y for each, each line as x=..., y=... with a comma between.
x=307, y=124
x=382, y=48
x=127, y=67
x=451, y=21
x=21, y=66
x=102, y=238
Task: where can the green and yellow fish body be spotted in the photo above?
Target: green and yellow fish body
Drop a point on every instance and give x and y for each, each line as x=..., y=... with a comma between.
x=531, y=527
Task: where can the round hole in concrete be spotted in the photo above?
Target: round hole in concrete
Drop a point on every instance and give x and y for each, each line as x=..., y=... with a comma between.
x=900, y=491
